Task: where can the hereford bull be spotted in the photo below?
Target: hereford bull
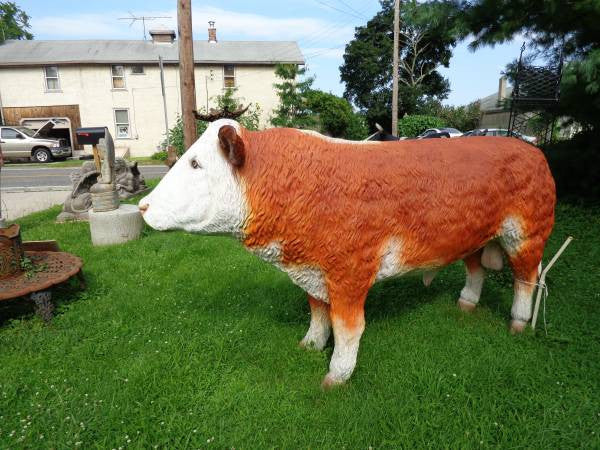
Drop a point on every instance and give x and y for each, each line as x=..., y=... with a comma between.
x=337, y=215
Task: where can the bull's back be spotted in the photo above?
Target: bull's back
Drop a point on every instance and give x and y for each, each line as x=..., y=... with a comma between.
x=440, y=198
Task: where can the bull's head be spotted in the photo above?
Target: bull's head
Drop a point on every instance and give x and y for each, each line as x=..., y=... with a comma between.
x=202, y=192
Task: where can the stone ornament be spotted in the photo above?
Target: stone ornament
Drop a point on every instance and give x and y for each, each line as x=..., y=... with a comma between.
x=338, y=216
x=128, y=180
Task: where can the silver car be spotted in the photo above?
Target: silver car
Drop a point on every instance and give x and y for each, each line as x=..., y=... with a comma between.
x=21, y=142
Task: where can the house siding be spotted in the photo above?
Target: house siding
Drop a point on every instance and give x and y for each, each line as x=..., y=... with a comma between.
x=90, y=87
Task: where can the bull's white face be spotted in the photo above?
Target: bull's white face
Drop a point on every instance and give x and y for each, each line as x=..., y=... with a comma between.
x=201, y=193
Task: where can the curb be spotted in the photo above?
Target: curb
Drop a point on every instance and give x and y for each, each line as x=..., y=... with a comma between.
x=35, y=189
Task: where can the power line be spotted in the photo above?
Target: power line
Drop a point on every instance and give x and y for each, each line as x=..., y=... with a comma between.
x=351, y=8
x=339, y=10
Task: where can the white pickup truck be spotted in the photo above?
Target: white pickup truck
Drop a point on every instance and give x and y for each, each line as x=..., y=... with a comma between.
x=18, y=142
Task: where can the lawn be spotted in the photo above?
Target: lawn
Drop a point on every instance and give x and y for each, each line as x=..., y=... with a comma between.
x=189, y=341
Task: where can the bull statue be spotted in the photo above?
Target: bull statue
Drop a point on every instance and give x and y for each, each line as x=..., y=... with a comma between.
x=338, y=216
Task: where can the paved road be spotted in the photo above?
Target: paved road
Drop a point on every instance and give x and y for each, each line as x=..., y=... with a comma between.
x=12, y=178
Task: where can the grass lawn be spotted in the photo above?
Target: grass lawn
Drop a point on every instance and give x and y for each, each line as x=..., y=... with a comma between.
x=142, y=161
x=189, y=341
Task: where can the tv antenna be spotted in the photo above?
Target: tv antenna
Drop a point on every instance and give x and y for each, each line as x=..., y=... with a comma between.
x=135, y=18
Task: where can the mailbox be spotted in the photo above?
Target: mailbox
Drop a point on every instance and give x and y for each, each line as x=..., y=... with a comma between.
x=90, y=135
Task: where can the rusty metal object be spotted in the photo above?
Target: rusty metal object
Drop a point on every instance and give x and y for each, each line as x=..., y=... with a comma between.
x=51, y=267
x=11, y=252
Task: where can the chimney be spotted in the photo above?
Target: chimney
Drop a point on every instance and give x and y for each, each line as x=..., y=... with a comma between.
x=502, y=89
x=212, y=32
x=162, y=36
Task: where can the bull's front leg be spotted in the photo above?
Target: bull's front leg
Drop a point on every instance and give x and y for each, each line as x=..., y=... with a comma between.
x=320, y=325
x=348, y=323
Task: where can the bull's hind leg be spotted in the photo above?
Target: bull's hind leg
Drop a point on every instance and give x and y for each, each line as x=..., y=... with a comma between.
x=469, y=296
x=524, y=265
x=320, y=325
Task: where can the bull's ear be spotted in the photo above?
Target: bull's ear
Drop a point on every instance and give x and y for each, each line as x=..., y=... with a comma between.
x=232, y=145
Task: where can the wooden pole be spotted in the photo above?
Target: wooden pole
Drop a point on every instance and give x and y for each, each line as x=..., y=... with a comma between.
x=542, y=281
x=186, y=71
x=395, y=69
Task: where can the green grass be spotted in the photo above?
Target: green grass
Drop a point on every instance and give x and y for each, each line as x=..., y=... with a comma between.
x=188, y=341
x=142, y=161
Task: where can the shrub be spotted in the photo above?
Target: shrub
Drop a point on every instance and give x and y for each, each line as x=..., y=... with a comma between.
x=159, y=156
x=412, y=126
x=335, y=117
x=250, y=120
x=574, y=164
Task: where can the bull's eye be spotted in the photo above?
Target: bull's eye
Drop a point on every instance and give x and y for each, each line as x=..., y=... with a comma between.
x=195, y=164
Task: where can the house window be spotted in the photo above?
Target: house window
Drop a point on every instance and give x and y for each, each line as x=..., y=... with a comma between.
x=118, y=77
x=137, y=69
x=228, y=75
x=122, y=123
x=51, y=76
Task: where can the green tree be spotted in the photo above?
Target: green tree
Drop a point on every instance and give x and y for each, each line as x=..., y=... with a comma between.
x=293, y=110
x=427, y=37
x=551, y=26
x=14, y=22
x=250, y=120
x=335, y=117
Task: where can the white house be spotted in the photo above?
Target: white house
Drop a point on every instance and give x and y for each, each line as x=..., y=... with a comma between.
x=116, y=83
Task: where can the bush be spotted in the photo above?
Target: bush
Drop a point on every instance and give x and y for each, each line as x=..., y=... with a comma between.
x=159, y=156
x=249, y=120
x=335, y=117
x=574, y=164
x=412, y=126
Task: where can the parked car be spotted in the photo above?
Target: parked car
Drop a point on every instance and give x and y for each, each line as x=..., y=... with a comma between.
x=21, y=142
x=500, y=132
x=440, y=132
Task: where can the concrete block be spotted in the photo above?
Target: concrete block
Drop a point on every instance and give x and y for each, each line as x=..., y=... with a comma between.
x=117, y=226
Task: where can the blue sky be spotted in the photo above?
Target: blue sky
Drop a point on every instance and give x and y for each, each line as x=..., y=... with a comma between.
x=321, y=27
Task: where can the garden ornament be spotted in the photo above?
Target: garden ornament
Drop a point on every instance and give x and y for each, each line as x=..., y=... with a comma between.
x=32, y=268
x=338, y=216
x=128, y=180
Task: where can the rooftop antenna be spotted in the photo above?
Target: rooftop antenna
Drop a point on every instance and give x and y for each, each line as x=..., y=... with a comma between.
x=135, y=18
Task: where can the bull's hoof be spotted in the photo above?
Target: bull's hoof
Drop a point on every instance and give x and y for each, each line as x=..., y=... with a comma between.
x=311, y=344
x=466, y=305
x=331, y=381
x=517, y=326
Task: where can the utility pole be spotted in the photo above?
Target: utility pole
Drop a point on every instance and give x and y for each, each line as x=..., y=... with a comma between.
x=395, y=68
x=186, y=71
x=164, y=96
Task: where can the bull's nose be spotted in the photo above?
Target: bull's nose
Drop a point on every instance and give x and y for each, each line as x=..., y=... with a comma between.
x=143, y=208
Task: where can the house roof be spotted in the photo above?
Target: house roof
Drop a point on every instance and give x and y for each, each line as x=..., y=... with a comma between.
x=490, y=103
x=25, y=53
